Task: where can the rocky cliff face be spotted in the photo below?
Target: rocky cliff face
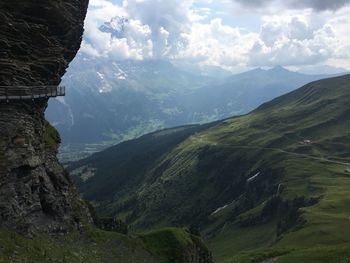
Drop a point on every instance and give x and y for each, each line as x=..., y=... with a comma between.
x=38, y=39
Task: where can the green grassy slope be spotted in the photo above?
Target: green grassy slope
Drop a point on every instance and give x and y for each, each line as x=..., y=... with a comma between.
x=176, y=245
x=270, y=184
x=116, y=171
x=93, y=245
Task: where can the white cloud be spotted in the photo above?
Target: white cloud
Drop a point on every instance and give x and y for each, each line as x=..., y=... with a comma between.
x=168, y=21
x=189, y=30
x=217, y=44
x=154, y=28
x=317, y=5
x=293, y=41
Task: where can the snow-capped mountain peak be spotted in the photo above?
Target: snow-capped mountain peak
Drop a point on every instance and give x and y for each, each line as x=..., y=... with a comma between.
x=116, y=26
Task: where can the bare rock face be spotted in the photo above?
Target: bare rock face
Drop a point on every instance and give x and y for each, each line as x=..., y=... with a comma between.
x=38, y=39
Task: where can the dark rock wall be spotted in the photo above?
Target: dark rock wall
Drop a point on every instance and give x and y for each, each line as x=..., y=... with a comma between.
x=38, y=39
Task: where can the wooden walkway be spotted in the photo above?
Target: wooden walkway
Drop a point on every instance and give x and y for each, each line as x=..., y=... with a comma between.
x=8, y=93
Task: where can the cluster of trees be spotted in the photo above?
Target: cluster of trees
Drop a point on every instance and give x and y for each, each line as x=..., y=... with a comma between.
x=253, y=194
x=287, y=212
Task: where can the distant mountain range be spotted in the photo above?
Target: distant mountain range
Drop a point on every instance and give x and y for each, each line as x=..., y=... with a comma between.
x=241, y=93
x=108, y=101
x=120, y=98
x=271, y=184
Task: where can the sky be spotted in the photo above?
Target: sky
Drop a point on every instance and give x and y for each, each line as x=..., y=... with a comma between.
x=237, y=35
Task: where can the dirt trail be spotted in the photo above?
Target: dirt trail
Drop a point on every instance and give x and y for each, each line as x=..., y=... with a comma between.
x=293, y=153
x=200, y=139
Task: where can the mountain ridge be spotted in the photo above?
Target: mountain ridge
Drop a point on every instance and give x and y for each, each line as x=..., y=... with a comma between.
x=134, y=98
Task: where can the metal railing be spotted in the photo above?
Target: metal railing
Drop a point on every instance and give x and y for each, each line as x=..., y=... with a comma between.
x=30, y=92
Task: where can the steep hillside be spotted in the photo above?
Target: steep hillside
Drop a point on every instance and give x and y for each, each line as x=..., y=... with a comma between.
x=273, y=184
x=124, y=175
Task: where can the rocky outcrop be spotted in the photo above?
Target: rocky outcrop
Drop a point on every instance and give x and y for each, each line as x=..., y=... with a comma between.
x=197, y=252
x=38, y=39
x=177, y=245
